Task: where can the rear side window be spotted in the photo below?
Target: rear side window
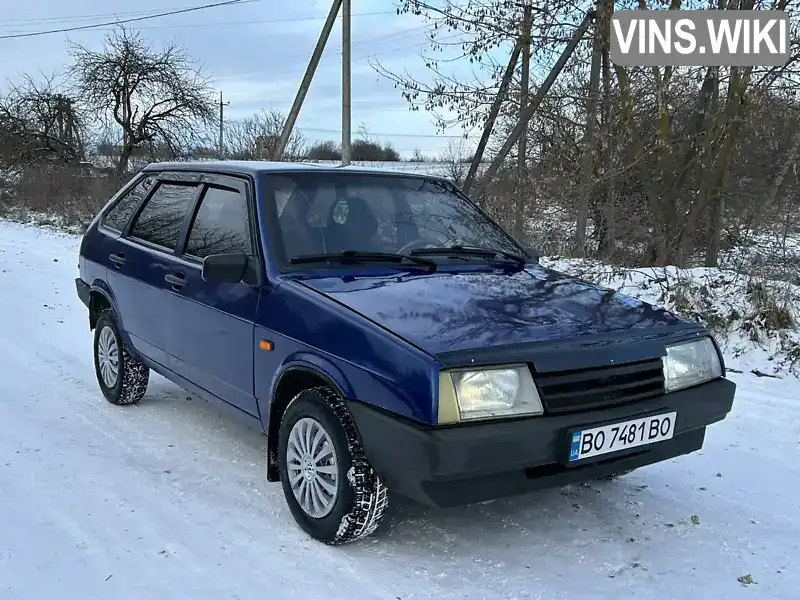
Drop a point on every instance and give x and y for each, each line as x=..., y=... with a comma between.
x=221, y=226
x=120, y=213
x=160, y=220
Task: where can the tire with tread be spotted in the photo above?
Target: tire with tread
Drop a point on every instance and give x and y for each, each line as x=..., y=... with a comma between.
x=362, y=498
x=133, y=375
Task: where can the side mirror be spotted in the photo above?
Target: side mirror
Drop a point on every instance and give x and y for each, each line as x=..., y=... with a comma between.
x=225, y=268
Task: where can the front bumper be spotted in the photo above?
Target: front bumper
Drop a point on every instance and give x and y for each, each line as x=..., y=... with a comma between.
x=448, y=466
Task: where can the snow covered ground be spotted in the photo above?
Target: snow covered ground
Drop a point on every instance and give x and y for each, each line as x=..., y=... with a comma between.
x=756, y=320
x=167, y=500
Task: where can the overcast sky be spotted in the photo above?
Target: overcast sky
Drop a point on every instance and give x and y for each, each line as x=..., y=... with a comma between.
x=257, y=53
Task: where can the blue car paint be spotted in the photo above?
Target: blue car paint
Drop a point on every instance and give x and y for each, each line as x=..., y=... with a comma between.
x=93, y=271
x=210, y=336
x=366, y=362
x=374, y=332
x=142, y=298
x=457, y=311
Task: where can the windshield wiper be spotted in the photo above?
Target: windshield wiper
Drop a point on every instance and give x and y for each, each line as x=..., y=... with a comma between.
x=362, y=256
x=458, y=251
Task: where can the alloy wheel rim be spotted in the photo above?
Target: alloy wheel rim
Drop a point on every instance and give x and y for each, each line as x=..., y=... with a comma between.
x=312, y=467
x=108, y=356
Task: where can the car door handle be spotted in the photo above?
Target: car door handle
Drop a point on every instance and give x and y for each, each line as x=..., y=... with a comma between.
x=178, y=280
x=117, y=259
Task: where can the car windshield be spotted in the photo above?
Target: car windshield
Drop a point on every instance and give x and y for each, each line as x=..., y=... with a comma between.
x=333, y=213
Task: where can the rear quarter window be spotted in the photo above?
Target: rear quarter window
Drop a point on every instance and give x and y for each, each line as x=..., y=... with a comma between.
x=118, y=215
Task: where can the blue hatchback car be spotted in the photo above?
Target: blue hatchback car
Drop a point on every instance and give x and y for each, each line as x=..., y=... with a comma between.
x=387, y=336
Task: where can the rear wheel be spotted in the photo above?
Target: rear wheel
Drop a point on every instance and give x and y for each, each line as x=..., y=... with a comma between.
x=333, y=493
x=122, y=378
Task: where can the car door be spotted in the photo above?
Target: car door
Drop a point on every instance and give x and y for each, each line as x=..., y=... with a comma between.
x=210, y=339
x=140, y=259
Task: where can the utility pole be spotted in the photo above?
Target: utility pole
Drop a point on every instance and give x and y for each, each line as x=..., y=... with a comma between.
x=222, y=105
x=309, y=75
x=493, y=112
x=346, y=100
x=522, y=154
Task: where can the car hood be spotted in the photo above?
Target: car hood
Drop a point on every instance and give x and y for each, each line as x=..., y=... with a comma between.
x=447, y=311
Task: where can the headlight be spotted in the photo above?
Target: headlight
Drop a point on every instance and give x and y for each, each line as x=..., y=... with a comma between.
x=487, y=393
x=690, y=364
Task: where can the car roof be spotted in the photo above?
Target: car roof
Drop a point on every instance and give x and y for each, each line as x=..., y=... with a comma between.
x=256, y=167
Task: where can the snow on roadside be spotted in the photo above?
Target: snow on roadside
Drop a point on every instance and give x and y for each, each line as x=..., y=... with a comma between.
x=755, y=321
x=772, y=255
x=47, y=221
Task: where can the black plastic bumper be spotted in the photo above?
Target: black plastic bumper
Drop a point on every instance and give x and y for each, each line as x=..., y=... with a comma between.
x=448, y=466
x=84, y=291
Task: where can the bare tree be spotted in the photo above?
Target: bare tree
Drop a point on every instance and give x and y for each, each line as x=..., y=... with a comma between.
x=472, y=31
x=156, y=97
x=39, y=122
x=476, y=32
x=42, y=155
x=256, y=138
x=660, y=163
x=417, y=156
x=456, y=160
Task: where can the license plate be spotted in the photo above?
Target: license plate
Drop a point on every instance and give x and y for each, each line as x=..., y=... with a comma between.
x=597, y=441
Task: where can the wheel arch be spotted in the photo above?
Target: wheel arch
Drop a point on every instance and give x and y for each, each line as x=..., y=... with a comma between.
x=100, y=298
x=294, y=377
x=98, y=302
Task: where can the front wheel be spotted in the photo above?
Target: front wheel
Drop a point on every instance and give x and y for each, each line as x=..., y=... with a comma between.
x=333, y=493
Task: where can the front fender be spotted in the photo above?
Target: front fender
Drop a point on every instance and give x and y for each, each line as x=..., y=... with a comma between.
x=317, y=364
x=271, y=412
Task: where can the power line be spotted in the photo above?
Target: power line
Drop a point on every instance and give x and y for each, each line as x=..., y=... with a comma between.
x=264, y=21
x=298, y=58
x=250, y=22
x=129, y=20
x=62, y=18
x=365, y=104
x=336, y=62
x=257, y=74
x=384, y=134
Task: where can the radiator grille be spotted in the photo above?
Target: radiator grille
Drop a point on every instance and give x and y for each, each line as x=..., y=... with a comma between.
x=567, y=391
